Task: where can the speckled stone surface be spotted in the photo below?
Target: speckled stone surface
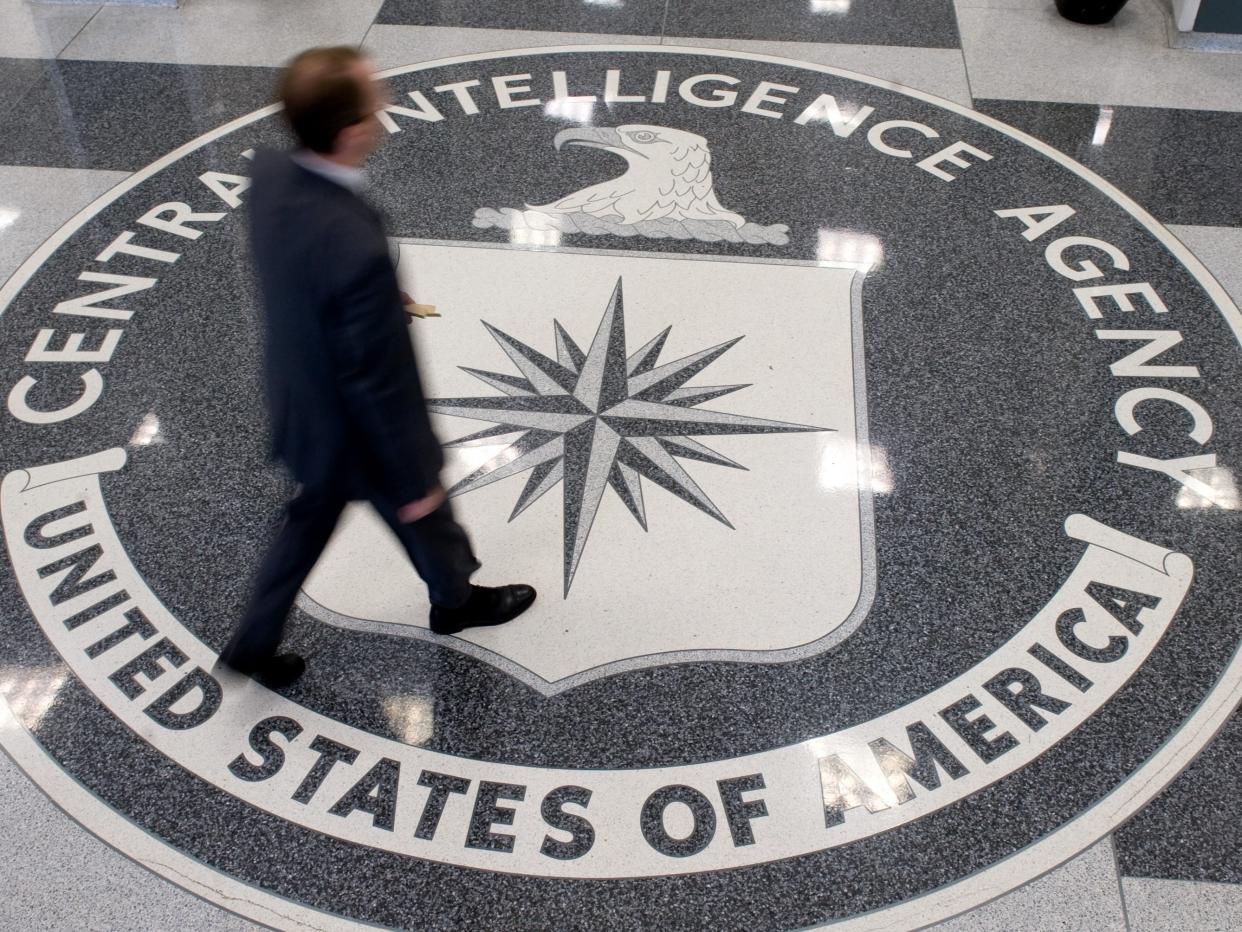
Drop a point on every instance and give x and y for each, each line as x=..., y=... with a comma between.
x=81, y=882
x=118, y=115
x=1027, y=51
x=1169, y=906
x=220, y=32
x=1083, y=894
x=1188, y=832
x=986, y=390
x=41, y=30
x=941, y=72
x=19, y=75
x=928, y=24
x=38, y=200
x=1175, y=162
x=1177, y=837
x=394, y=46
x=1220, y=249
x=637, y=17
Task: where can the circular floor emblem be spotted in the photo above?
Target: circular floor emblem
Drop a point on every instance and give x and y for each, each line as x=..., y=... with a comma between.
x=876, y=463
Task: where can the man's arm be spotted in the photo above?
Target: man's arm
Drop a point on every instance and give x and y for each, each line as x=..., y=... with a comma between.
x=377, y=375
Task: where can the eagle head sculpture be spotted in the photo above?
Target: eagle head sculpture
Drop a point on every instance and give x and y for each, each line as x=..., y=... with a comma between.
x=668, y=175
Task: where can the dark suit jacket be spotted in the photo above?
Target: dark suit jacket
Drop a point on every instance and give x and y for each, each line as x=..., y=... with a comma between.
x=347, y=406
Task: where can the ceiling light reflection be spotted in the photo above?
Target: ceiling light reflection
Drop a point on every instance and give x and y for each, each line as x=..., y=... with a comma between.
x=471, y=456
x=30, y=691
x=529, y=237
x=412, y=717
x=830, y=7
x=852, y=778
x=1103, y=123
x=850, y=247
x=147, y=432
x=567, y=108
x=1224, y=488
x=8, y=217
x=841, y=468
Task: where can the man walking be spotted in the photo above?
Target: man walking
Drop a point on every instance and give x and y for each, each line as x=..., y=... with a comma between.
x=347, y=409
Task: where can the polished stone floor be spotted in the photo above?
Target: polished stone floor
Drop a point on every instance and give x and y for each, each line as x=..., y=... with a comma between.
x=858, y=382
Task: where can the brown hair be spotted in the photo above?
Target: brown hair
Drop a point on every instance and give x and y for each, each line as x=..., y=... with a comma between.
x=322, y=95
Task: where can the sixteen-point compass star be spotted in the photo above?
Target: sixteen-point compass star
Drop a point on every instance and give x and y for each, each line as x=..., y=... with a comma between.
x=599, y=418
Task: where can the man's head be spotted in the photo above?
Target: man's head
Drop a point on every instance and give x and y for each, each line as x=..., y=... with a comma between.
x=330, y=99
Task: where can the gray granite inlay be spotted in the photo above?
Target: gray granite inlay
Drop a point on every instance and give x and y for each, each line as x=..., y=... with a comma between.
x=1181, y=905
x=220, y=32
x=636, y=17
x=1182, y=165
x=55, y=873
x=119, y=115
x=1193, y=830
x=41, y=30
x=17, y=76
x=912, y=23
x=1081, y=894
x=36, y=201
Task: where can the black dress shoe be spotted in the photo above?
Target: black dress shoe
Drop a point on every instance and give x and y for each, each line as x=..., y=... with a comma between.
x=485, y=607
x=277, y=673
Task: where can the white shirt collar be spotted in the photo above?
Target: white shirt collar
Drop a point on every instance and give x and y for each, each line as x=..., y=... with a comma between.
x=354, y=179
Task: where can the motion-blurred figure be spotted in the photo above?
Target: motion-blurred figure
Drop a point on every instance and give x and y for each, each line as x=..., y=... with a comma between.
x=347, y=409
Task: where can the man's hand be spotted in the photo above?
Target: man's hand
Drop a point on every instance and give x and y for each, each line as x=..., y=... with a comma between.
x=415, y=310
x=421, y=507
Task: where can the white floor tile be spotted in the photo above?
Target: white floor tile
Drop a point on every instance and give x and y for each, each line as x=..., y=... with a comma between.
x=40, y=30
x=1080, y=894
x=1220, y=249
x=36, y=201
x=1182, y=906
x=1031, y=53
x=222, y=32
x=81, y=883
x=935, y=71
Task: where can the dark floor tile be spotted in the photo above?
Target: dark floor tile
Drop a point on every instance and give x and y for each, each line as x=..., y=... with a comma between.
x=1193, y=830
x=1182, y=165
x=922, y=23
x=636, y=17
x=17, y=75
x=120, y=115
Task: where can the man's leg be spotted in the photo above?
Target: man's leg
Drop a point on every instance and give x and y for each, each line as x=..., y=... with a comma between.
x=308, y=523
x=440, y=550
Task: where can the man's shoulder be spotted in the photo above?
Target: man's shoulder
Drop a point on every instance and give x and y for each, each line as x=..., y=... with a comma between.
x=285, y=191
x=272, y=166
x=279, y=174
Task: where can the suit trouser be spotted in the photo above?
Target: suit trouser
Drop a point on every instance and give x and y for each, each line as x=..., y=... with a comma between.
x=437, y=546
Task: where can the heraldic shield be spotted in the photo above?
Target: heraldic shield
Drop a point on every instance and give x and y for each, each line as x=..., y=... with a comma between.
x=673, y=449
